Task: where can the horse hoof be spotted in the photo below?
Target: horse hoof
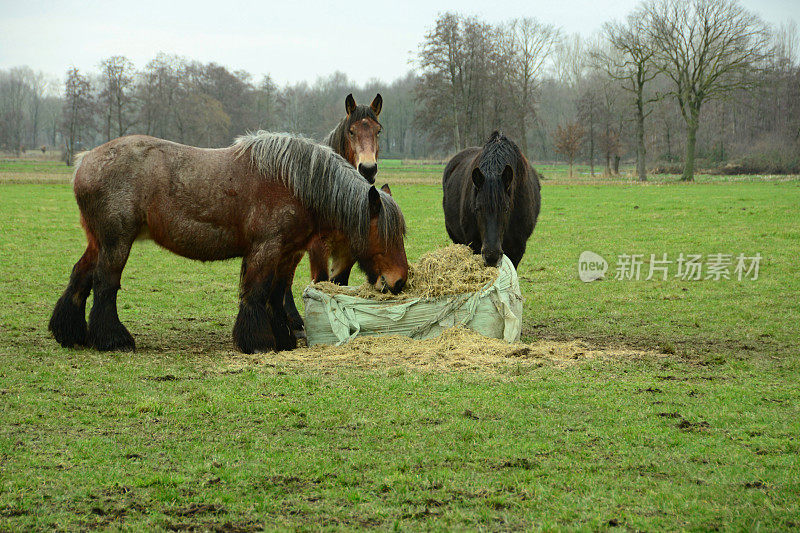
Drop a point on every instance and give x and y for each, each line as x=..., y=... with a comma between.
x=114, y=339
x=259, y=344
x=68, y=324
x=118, y=344
x=286, y=342
x=257, y=351
x=299, y=333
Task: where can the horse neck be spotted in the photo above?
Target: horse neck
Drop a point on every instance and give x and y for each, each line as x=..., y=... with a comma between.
x=337, y=140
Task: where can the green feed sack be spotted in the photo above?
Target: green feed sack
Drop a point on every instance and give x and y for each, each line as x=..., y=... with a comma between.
x=493, y=311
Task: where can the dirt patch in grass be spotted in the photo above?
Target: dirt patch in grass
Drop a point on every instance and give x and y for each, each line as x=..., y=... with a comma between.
x=457, y=349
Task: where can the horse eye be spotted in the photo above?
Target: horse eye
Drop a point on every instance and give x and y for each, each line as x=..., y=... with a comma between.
x=352, y=132
x=379, y=132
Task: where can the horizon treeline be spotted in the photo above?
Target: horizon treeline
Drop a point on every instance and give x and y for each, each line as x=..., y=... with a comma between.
x=670, y=83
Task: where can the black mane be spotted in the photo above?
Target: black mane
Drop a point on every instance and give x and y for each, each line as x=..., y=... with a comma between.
x=498, y=152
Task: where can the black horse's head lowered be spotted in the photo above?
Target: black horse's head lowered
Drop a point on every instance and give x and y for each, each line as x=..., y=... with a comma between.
x=491, y=199
x=493, y=179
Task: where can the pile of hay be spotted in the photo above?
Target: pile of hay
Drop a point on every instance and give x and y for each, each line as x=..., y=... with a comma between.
x=455, y=350
x=445, y=271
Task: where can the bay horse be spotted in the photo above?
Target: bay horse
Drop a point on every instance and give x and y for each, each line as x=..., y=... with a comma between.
x=261, y=199
x=356, y=139
x=491, y=199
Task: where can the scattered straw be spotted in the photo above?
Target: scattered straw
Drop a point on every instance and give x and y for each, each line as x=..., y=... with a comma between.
x=456, y=349
x=445, y=271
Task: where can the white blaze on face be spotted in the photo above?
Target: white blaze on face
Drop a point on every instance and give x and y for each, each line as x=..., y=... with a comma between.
x=365, y=149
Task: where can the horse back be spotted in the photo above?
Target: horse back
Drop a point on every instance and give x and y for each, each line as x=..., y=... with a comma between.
x=197, y=202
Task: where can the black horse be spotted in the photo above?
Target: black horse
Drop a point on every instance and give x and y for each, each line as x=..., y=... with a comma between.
x=491, y=199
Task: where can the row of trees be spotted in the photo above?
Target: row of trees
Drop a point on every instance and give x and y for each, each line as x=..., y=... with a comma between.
x=30, y=110
x=189, y=102
x=674, y=58
x=673, y=80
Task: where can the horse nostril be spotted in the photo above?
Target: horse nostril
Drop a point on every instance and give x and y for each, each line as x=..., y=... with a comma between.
x=368, y=171
x=398, y=286
x=491, y=258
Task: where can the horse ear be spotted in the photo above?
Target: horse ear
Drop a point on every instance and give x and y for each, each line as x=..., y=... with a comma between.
x=508, y=177
x=349, y=103
x=375, y=204
x=377, y=104
x=385, y=188
x=477, y=177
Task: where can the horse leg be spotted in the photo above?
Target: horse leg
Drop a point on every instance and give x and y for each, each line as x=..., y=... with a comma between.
x=342, y=262
x=318, y=259
x=340, y=269
x=515, y=254
x=106, y=332
x=68, y=321
x=285, y=338
x=252, y=331
x=293, y=317
x=343, y=276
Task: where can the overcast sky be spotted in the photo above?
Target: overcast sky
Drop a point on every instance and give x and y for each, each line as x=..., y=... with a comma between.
x=291, y=41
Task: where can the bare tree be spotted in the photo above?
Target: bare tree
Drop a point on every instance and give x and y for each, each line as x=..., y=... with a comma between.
x=77, y=114
x=569, y=60
x=37, y=84
x=590, y=109
x=706, y=48
x=569, y=141
x=13, y=95
x=531, y=45
x=116, y=97
x=630, y=60
x=442, y=63
x=266, y=104
x=201, y=120
x=612, y=121
x=157, y=88
x=457, y=60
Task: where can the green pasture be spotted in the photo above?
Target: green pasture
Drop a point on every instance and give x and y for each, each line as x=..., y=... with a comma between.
x=702, y=434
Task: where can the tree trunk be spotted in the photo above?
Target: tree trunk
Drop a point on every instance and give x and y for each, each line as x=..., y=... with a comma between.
x=456, y=136
x=523, y=136
x=616, y=164
x=591, y=147
x=570, y=168
x=35, y=132
x=669, y=143
x=691, y=140
x=641, y=151
x=108, y=123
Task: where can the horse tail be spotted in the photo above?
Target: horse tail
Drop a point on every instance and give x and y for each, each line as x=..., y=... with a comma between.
x=77, y=159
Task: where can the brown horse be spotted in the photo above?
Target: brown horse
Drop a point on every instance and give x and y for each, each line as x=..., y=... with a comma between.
x=356, y=139
x=261, y=199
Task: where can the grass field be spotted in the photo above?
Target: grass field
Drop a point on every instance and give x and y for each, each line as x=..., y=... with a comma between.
x=185, y=434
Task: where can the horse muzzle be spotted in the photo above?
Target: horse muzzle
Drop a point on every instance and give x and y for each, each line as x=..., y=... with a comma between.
x=368, y=170
x=384, y=285
x=492, y=257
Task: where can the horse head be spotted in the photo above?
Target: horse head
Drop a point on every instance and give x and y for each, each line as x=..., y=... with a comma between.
x=492, y=200
x=361, y=130
x=384, y=261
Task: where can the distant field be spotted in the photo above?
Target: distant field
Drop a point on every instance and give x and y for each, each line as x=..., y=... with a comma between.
x=33, y=171
x=185, y=434
x=398, y=171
